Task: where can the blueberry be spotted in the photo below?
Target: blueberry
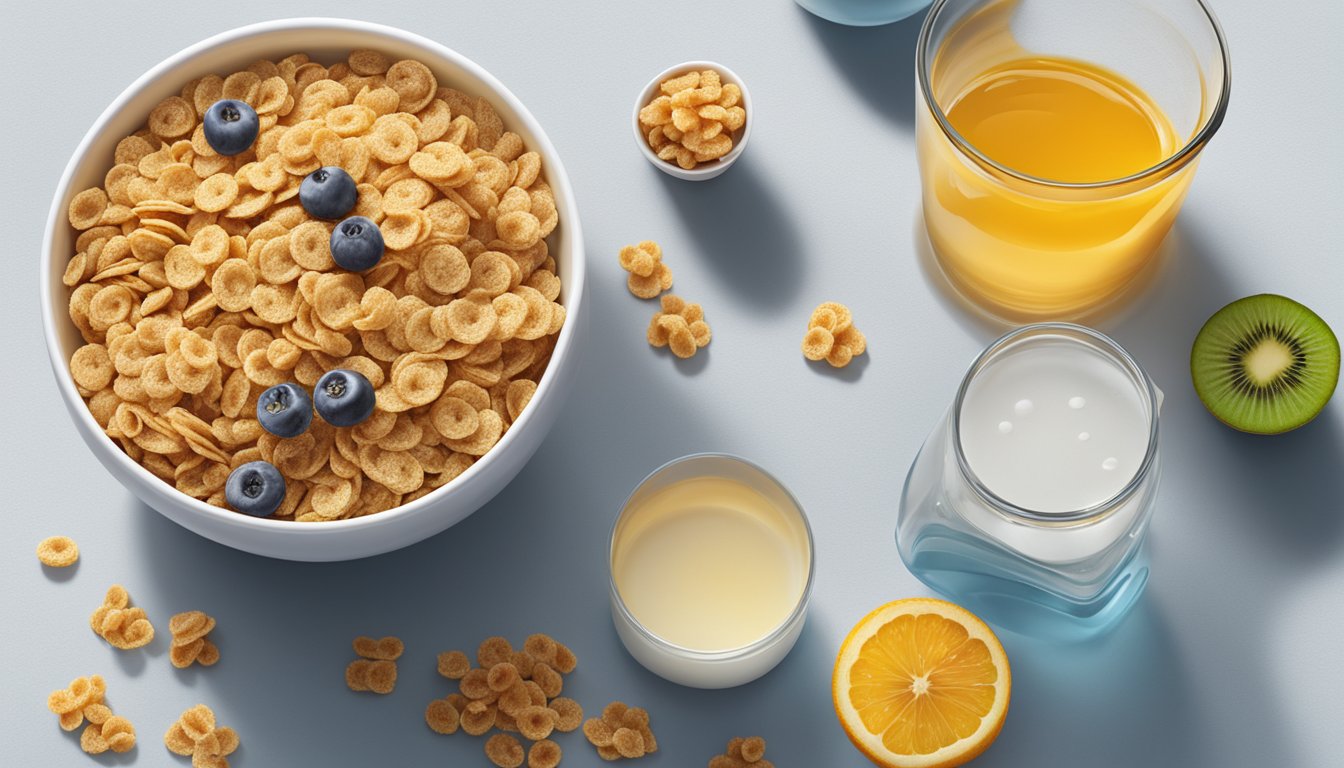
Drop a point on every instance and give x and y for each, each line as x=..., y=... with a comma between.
x=230, y=126
x=343, y=398
x=356, y=244
x=328, y=193
x=285, y=410
x=256, y=488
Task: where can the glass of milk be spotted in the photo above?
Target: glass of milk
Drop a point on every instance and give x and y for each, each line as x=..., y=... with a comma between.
x=1029, y=502
x=711, y=567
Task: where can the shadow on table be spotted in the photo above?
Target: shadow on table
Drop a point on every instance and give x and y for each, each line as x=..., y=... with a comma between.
x=60, y=575
x=878, y=63
x=851, y=372
x=1119, y=701
x=1290, y=489
x=744, y=233
x=1290, y=486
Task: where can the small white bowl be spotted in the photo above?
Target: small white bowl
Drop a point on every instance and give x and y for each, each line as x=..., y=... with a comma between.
x=702, y=171
x=325, y=39
x=699, y=668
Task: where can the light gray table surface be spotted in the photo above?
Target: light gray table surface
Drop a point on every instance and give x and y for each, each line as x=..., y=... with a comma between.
x=1232, y=658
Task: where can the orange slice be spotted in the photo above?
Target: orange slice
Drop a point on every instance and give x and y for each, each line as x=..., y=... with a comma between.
x=921, y=683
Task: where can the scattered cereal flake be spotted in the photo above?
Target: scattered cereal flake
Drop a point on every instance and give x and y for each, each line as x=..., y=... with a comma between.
x=92, y=741
x=752, y=749
x=536, y=723
x=831, y=335
x=119, y=734
x=475, y=684
x=69, y=721
x=832, y=315
x=190, y=626
x=441, y=716
x=453, y=665
x=544, y=754
x=614, y=713
x=195, y=734
x=97, y=713
x=854, y=339
x=515, y=699
x=357, y=675
x=383, y=649
x=190, y=642
x=679, y=326
x=198, y=722
x=492, y=651
x=502, y=676
x=177, y=741
x=649, y=286
x=550, y=681
x=628, y=742
x=58, y=551
x=817, y=343
x=598, y=732
x=382, y=676
x=478, y=717
x=122, y=626
x=504, y=751
x=568, y=713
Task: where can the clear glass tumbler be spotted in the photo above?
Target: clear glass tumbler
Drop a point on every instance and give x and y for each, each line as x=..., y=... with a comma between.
x=1029, y=248
x=1055, y=571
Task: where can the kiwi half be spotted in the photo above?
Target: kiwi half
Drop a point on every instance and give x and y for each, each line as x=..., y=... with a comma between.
x=1265, y=364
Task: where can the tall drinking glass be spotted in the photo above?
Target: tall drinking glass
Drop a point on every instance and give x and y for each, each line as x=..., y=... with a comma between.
x=1030, y=500
x=1031, y=224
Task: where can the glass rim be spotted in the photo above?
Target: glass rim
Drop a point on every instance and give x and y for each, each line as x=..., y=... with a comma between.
x=1106, y=345
x=778, y=632
x=1179, y=157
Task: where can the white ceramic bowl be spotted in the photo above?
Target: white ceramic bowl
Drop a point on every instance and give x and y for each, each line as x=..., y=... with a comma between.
x=326, y=40
x=702, y=171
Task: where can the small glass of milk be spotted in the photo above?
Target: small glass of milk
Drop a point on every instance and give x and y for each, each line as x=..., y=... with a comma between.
x=711, y=568
x=1029, y=502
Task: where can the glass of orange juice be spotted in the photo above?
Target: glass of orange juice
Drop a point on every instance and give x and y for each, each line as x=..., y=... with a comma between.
x=1056, y=141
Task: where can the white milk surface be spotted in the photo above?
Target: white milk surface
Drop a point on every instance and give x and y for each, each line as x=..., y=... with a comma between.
x=1054, y=426
x=709, y=564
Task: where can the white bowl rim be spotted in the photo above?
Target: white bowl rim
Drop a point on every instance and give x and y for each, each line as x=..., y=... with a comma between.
x=555, y=176
x=701, y=170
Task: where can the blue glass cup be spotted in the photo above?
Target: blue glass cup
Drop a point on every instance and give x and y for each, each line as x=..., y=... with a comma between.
x=863, y=13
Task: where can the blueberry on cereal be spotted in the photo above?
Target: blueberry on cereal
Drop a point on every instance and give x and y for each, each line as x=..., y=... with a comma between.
x=285, y=410
x=256, y=488
x=230, y=126
x=328, y=192
x=357, y=244
x=343, y=398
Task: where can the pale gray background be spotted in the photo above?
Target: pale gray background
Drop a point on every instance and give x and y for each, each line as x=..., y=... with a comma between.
x=1229, y=660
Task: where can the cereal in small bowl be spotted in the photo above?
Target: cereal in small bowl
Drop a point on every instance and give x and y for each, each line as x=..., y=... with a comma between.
x=691, y=120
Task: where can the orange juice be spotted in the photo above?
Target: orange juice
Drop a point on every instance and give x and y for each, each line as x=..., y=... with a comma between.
x=1038, y=195
x=1062, y=120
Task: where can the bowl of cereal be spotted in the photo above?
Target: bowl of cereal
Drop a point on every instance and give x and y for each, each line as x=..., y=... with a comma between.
x=692, y=121
x=337, y=217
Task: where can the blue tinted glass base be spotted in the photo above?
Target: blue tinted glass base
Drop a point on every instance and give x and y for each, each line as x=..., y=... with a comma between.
x=988, y=582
